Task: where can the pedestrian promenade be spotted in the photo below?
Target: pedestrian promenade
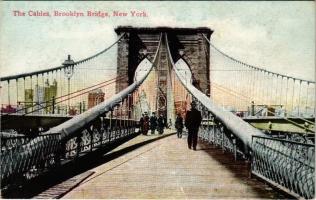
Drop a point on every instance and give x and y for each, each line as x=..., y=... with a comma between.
x=166, y=168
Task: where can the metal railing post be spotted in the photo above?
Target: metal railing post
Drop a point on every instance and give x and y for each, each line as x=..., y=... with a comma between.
x=124, y=121
x=116, y=123
x=78, y=141
x=222, y=144
x=91, y=138
x=121, y=113
x=234, y=147
x=110, y=125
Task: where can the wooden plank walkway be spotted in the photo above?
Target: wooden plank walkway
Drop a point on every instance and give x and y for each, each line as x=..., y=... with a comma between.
x=166, y=168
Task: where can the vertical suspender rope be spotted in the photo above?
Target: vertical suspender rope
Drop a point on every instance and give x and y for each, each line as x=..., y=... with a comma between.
x=299, y=98
x=43, y=82
x=24, y=93
x=286, y=94
x=260, y=96
x=281, y=91
x=243, y=83
x=267, y=88
x=32, y=94
x=272, y=89
x=293, y=95
x=9, y=92
x=252, y=72
x=37, y=95
x=270, y=80
x=275, y=88
x=17, y=92
x=255, y=86
x=306, y=103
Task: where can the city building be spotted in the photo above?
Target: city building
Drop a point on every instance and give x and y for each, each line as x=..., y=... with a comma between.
x=95, y=97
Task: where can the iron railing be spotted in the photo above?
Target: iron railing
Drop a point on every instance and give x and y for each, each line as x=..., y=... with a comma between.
x=13, y=141
x=29, y=164
x=216, y=134
x=288, y=165
x=54, y=151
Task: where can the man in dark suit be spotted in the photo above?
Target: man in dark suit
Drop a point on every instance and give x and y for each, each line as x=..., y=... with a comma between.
x=193, y=121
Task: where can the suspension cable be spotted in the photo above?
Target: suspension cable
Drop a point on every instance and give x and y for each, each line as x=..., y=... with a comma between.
x=251, y=66
x=6, y=78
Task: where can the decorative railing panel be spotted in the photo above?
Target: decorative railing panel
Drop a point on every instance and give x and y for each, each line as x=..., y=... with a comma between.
x=43, y=157
x=54, y=151
x=215, y=133
x=14, y=141
x=286, y=164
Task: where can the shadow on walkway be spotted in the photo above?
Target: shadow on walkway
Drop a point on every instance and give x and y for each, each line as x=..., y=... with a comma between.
x=241, y=170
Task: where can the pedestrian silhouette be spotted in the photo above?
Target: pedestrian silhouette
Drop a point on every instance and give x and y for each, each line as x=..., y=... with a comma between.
x=141, y=124
x=193, y=121
x=161, y=124
x=146, y=124
x=153, y=123
x=179, y=125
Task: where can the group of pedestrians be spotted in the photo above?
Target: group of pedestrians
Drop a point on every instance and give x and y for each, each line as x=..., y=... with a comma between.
x=153, y=123
x=192, y=122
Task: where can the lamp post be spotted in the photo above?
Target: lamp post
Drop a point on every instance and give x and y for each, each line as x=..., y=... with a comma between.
x=69, y=72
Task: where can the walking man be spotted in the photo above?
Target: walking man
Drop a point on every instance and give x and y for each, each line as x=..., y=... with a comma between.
x=153, y=123
x=146, y=124
x=179, y=125
x=192, y=123
x=161, y=124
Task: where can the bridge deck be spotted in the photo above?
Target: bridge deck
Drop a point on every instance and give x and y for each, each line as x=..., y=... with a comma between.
x=166, y=168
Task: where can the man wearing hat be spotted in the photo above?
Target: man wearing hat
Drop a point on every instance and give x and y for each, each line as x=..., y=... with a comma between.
x=193, y=121
x=146, y=124
x=153, y=123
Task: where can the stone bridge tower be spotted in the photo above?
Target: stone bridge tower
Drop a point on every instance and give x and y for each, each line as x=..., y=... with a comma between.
x=186, y=43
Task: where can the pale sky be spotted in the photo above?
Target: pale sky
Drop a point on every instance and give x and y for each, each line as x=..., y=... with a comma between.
x=277, y=35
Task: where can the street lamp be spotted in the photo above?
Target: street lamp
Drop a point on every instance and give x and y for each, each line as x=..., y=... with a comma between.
x=69, y=72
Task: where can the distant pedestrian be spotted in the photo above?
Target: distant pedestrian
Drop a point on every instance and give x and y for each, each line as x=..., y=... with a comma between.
x=192, y=123
x=146, y=124
x=153, y=123
x=141, y=124
x=170, y=124
x=179, y=125
x=161, y=124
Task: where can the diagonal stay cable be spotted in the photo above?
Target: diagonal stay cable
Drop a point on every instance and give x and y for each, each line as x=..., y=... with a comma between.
x=66, y=95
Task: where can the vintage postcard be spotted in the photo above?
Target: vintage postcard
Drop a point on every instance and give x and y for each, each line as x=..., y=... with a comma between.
x=157, y=99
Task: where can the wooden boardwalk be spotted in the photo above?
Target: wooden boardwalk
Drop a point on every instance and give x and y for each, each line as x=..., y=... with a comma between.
x=166, y=168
